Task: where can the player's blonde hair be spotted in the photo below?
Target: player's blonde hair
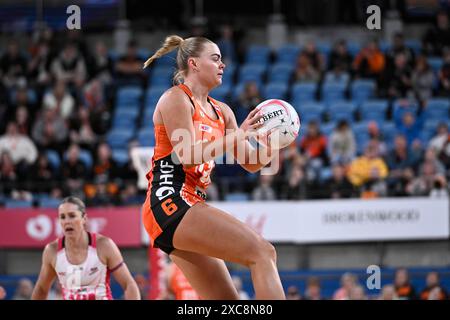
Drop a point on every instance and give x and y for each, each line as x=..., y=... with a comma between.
x=190, y=47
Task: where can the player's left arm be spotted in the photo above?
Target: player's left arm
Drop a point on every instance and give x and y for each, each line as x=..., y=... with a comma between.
x=114, y=261
x=250, y=158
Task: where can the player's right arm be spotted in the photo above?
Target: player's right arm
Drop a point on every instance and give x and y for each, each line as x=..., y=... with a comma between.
x=176, y=113
x=47, y=274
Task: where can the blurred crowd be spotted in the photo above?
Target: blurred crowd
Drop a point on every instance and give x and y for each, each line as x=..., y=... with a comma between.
x=347, y=288
x=57, y=98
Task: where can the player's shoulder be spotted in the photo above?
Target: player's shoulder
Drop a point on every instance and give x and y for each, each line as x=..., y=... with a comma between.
x=105, y=244
x=51, y=250
x=173, y=98
x=225, y=108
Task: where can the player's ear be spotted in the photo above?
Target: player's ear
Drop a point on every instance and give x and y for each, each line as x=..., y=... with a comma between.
x=192, y=63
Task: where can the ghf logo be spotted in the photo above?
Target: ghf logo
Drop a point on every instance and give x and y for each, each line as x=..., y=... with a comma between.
x=374, y=20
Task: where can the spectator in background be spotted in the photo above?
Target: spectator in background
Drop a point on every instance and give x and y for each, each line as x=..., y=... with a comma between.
x=314, y=146
x=70, y=67
x=410, y=126
x=342, y=145
x=340, y=58
x=403, y=288
x=316, y=59
x=237, y=281
x=369, y=62
x=23, y=120
x=348, y=282
x=375, y=134
x=426, y=181
x=399, y=46
x=388, y=292
x=397, y=80
x=143, y=285
x=264, y=190
x=24, y=290
x=247, y=101
x=13, y=66
x=304, y=70
x=433, y=290
x=102, y=64
x=312, y=291
x=293, y=293
x=296, y=187
x=21, y=148
x=74, y=171
x=437, y=38
x=81, y=132
x=50, y=131
x=129, y=67
x=338, y=186
x=358, y=293
x=129, y=195
x=438, y=142
x=402, y=162
x=226, y=44
x=369, y=168
x=60, y=100
x=2, y=293
x=43, y=176
x=422, y=80
x=9, y=177
x=444, y=76
x=39, y=66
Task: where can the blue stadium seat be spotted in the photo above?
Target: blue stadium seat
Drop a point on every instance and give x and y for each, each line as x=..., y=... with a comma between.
x=287, y=54
x=121, y=156
x=48, y=202
x=146, y=137
x=118, y=138
x=131, y=113
x=342, y=111
x=167, y=60
x=401, y=106
x=435, y=63
x=281, y=72
x=380, y=106
x=311, y=111
x=257, y=54
x=121, y=121
x=385, y=46
x=362, y=90
x=31, y=95
x=237, y=196
x=162, y=76
x=415, y=45
x=253, y=72
x=325, y=174
x=332, y=77
x=239, y=88
x=16, y=204
x=153, y=94
x=221, y=93
x=86, y=158
x=275, y=91
x=304, y=92
x=327, y=128
x=324, y=48
x=353, y=48
x=129, y=95
x=437, y=108
x=54, y=159
x=388, y=130
x=332, y=92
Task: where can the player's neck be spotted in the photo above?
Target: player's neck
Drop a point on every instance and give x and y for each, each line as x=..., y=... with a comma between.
x=199, y=91
x=76, y=242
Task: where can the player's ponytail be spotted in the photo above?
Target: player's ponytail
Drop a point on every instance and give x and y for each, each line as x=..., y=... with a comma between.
x=171, y=43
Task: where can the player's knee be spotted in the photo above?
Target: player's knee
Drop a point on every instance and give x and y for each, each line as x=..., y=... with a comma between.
x=263, y=252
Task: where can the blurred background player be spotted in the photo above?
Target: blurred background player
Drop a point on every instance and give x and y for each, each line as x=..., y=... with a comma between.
x=177, y=286
x=82, y=261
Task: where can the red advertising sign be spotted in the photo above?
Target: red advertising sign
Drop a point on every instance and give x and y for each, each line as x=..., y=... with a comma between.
x=34, y=228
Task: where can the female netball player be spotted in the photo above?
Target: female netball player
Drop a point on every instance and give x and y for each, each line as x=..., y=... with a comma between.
x=82, y=261
x=198, y=237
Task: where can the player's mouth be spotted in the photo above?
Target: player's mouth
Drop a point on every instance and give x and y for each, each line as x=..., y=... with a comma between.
x=69, y=229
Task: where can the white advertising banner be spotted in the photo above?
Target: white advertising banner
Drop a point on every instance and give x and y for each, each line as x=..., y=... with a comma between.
x=344, y=220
